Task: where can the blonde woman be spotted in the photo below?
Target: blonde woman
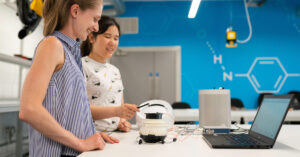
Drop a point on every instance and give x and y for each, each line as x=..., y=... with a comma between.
x=54, y=100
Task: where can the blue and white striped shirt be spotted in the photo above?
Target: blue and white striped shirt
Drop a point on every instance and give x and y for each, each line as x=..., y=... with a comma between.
x=67, y=101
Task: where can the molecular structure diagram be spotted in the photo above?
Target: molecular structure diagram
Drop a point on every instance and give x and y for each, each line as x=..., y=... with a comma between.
x=270, y=67
x=266, y=74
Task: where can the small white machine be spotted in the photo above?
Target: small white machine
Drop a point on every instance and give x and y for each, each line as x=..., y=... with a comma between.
x=154, y=120
x=154, y=129
x=214, y=109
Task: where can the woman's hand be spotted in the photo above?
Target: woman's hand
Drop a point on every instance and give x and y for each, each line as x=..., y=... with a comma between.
x=95, y=142
x=124, y=125
x=127, y=111
x=108, y=138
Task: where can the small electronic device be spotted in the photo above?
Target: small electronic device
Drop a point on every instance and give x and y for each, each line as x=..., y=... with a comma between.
x=154, y=129
x=214, y=109
x=155, y=106
x=154, y=120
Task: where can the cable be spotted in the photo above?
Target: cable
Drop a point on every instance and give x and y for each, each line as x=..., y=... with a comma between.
x=239, y=130
x=249, y=25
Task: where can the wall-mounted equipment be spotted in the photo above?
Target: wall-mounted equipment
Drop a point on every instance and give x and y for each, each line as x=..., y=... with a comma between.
x=231, y=35
x=30, y=15
x=230, y=38
x=128, y=25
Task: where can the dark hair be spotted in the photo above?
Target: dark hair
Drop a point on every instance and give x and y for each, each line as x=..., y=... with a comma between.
x=104, y=23
x=56, y=12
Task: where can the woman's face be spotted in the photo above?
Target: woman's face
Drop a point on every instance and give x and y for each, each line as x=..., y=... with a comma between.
x=87, y=22
x=106, y=44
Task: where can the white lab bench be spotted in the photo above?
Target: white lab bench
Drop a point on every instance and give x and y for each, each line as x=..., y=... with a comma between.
x=248, y=115
x=287, y=145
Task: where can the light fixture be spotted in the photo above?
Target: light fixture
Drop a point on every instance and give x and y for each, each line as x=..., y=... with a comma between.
x=194, y=8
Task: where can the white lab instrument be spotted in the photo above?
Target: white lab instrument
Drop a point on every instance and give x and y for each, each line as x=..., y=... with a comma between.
x=155, y=106
x=214, y=109
x=154, y=120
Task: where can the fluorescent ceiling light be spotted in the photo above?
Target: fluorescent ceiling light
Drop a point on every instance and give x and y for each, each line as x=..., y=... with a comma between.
x=194, y=8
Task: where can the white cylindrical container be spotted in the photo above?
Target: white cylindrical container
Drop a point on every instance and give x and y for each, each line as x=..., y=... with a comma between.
x=214, y=108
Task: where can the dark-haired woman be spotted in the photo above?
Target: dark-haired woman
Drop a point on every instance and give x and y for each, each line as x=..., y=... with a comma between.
x=104, y=83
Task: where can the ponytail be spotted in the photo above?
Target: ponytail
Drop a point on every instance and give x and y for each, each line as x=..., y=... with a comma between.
x=50, y=15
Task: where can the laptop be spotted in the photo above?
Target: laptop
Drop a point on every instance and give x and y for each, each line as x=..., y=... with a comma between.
x=264, y=130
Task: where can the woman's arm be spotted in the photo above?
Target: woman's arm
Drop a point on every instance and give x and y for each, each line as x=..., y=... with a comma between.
x=49, y=58
x=126, y=111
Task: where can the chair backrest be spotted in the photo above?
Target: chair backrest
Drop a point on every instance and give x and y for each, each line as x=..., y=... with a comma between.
x=182, y=105
x=296, y=103
x=236, y=104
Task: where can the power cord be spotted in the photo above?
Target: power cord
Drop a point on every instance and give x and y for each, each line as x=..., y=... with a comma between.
x=239, y=129
x=249, y=24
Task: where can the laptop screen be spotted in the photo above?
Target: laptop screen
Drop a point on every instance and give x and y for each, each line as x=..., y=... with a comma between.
x=270, y=115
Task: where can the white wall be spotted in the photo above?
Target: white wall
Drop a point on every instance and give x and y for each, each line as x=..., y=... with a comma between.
x=10, y=44
x=10, y=25
x=9, y=29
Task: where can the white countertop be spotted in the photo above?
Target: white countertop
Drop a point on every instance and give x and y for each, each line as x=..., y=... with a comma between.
x=287, y=145
x=248, y=115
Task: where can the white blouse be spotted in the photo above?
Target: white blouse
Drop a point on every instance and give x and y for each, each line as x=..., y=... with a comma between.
x=105, y=88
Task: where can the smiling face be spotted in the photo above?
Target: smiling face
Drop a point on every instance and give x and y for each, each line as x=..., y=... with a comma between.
x=87, y=21
x=104, y=45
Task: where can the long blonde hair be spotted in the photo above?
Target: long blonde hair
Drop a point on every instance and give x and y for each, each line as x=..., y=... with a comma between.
x=56, y=12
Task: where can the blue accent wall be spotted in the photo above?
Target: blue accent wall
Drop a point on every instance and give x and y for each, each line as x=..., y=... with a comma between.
x=276, y=33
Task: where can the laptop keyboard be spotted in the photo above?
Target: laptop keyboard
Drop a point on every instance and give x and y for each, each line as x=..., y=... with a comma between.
x=242, y=139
